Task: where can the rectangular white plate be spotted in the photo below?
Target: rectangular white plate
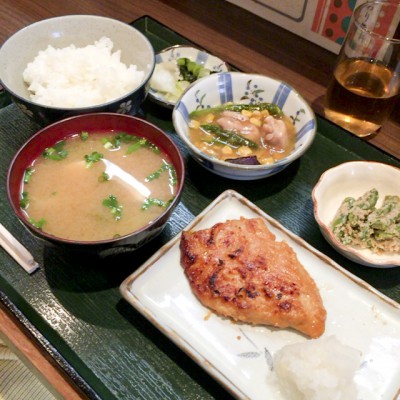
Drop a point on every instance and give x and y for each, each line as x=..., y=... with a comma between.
x=238, y=355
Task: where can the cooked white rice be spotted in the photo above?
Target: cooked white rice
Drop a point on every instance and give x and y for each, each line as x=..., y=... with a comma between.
x=72, y=76
x=319, y=369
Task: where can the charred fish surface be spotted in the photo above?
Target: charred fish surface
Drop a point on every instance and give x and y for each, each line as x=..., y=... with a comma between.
x=238, y=269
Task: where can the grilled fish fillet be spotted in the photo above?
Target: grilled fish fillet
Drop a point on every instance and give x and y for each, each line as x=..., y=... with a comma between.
x=239, y=270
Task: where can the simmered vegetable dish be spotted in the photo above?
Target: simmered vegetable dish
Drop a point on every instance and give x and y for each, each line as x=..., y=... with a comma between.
x=243, y=133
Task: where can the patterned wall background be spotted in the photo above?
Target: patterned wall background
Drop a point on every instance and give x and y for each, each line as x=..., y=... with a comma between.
x=323, y=22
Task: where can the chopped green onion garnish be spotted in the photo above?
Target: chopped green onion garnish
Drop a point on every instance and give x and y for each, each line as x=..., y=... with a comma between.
x=136, y=146
x=112, y=203
x=167, y=203
x=37, y=224
x=116, y=140
x=104, y=177
x=173, y=179
x=151, y=201
x=137, y=142
x=142, y=142
x=164, y=167
x=24, y=201
x=107, y=143
x=84, y=136
x=56, y=152
x=28, y=174
x=92, y=158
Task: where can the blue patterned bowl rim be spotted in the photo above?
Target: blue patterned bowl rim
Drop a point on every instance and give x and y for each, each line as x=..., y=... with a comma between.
x=225, y=83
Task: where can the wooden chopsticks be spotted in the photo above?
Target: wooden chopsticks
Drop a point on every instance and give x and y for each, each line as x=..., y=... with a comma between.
x=16, y=250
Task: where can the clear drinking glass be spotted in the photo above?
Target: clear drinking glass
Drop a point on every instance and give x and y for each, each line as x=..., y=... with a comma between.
x=365, y=82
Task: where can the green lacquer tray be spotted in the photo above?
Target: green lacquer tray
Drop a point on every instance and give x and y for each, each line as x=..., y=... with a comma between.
x=72, y=305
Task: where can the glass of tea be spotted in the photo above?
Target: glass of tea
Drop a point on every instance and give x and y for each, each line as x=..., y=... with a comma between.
x=365, y=82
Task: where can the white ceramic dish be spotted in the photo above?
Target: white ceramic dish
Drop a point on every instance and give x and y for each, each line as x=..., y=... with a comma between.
x=239, y=355
x=354, y=179
x=239, y=87
x=201, y=57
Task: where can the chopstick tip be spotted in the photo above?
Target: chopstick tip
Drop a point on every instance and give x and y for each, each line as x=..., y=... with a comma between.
x=32, y=266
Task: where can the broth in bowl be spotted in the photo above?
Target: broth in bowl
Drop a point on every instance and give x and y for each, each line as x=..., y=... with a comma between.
x=93, y=187
x=121, y=136
x=242, y=92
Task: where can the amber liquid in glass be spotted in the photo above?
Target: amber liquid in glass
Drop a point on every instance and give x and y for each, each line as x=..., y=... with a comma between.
x=361, y=96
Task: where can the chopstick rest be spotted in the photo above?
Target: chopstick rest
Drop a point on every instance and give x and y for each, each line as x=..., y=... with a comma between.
x=16, y=250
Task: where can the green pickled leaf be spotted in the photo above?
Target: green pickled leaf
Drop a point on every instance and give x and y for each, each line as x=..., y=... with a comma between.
x=190, y=71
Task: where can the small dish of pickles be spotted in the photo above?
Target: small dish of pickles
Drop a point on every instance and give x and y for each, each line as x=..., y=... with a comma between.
x=357, y=207
x=176, y=68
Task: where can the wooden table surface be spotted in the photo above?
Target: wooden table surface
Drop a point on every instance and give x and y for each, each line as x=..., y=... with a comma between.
x=242, y=39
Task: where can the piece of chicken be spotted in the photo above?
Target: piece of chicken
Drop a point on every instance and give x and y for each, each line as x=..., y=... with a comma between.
x=274, y=133
x=238, y=269
x=239, y=123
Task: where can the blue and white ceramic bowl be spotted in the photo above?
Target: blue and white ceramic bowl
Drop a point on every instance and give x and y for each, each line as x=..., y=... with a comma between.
x=240, y=87
x=80, y=30
x=199, y=56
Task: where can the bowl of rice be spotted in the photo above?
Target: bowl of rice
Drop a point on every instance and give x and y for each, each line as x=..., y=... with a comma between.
x=76, y=64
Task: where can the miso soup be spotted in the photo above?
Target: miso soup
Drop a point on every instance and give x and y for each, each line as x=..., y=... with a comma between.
x=98, y=186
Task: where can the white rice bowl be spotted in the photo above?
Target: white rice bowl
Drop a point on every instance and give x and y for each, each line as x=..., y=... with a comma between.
x=317, y=369
x=80, y=76
x=132, y=58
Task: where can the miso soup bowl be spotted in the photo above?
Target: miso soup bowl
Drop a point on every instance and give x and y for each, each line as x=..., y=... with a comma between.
x=94, y=123
x=79, y=30
x=237, y=87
